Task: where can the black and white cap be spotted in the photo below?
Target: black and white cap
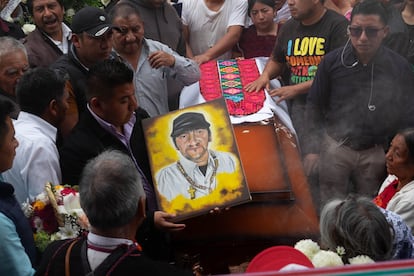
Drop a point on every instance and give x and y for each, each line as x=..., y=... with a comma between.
x=91, y=20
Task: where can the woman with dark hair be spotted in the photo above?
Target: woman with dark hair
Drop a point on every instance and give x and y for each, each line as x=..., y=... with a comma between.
x=259, y=39
x=397, y=192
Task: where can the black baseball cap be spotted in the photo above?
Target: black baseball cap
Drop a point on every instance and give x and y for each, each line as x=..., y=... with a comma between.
x=188, y=121
x=91, y=20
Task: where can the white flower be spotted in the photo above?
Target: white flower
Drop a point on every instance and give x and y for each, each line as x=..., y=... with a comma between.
x=28, y=28
x=340, y=250
x=27, y=208
x=71, y=203
x=307, y=247
x=43, y=198
x=69, y=231
x=38, y=223
x=361, y=259
x=70, y=12
x=326, y=258
x=105, y=2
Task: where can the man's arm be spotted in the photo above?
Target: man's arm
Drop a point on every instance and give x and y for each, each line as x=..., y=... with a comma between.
x=162, y=221
x=186, y=70
x=226, y=43
x=183, y=69
x=188, y=50
x=271, y=71
x=290, y=91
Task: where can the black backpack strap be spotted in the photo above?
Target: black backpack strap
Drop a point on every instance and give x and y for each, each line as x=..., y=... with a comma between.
x=84, y=257
x=107, y=264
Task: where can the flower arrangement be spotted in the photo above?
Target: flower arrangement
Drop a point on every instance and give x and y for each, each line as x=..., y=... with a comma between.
x=327, y=258
x=55, y=214
x=72, y=6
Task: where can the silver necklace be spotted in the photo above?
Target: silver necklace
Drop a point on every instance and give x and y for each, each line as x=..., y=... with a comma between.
x=342, y=57
x=371, y=106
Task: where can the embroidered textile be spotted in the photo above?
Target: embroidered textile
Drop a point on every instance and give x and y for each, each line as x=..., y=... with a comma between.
x=228, y=78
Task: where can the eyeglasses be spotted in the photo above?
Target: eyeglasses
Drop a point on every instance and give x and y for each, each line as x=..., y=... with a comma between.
x=370, y=32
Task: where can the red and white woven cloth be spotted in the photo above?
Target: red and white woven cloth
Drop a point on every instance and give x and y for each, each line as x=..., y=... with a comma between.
x=227, y=78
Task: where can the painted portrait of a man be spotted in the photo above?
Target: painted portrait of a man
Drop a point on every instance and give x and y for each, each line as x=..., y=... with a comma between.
x=194, y=174
x=194, y=158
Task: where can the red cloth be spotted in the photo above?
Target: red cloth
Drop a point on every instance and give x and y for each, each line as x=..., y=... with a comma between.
x=3, y=26
x=386, y=195
x=227, y=78
x=252, y=45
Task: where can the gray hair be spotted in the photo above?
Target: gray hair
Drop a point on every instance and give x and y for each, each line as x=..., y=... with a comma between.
x=110, y=189
x=358, y=225
x=10, y=45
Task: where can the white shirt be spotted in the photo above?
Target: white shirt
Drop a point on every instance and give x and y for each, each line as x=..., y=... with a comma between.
x=37, y=157
x=96, y=257
x=402, y=203
x=206, y=27
x=66, y=36
x=283, y=14
x=171, y=182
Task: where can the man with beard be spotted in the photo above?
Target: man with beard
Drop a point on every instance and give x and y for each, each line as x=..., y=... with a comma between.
x=51, y=38
x=194, y=175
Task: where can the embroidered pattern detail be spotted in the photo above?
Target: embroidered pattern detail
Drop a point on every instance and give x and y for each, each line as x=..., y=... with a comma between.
x=226, y=78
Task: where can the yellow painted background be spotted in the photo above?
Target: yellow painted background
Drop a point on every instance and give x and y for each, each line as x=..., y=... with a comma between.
x=162, y=152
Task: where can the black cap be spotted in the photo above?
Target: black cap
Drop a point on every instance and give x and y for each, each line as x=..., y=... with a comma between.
x=91, y=20
x=188, y=121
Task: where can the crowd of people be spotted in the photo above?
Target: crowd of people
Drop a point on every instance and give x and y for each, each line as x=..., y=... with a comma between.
x=73, y=96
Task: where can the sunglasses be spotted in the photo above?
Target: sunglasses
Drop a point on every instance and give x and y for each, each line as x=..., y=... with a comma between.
x=370, y=32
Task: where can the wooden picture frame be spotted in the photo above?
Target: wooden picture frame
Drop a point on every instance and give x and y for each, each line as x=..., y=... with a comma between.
x=178, y=143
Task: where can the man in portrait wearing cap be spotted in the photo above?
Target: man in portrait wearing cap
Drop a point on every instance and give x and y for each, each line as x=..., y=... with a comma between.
x=91, y=42
x=194, y=174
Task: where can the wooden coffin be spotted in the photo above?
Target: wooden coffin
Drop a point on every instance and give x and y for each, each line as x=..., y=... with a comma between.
x=281, y=210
